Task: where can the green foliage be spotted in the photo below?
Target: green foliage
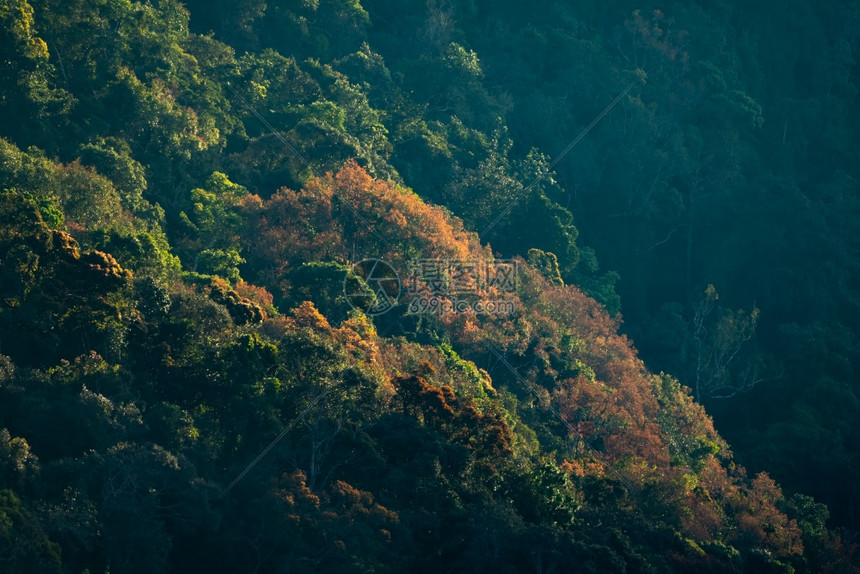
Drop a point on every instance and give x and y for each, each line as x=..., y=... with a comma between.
x=211, y=230
x=25, y=546
x=28, y=78
x=18, y=465
x=140, y=393
x=550, y=496
x=326, y=285
x=547, y=264
x=32, y=174
x=601, y=287
x=112, y=159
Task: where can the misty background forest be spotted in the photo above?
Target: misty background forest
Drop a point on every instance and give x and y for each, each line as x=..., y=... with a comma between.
x=668, y=381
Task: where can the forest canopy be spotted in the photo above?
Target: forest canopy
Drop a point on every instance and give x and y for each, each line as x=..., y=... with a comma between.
x=450, y=285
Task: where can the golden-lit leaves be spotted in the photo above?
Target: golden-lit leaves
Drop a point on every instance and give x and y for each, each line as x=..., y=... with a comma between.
x=760, y=523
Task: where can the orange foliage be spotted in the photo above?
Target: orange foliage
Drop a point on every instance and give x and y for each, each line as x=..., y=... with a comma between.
x=656, y=33
x=292, y=228
x=348, y=498
x=259, y=295
x=487, y=434
x=306, y=315
x=344, y=517
x=348, y=216
x=760, y=523
x=613, y=401
x=392, y=221
x=293, y=490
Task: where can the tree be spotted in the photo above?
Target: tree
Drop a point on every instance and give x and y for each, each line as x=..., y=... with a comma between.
x=18, y=465
x=722, y=364
x=27, y=77
x=211, y=231
x=23, y=544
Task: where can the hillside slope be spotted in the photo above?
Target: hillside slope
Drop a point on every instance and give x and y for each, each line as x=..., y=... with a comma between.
x=195, y=375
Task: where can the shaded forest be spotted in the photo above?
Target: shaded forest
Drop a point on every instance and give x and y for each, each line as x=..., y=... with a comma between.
x=187, y=382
